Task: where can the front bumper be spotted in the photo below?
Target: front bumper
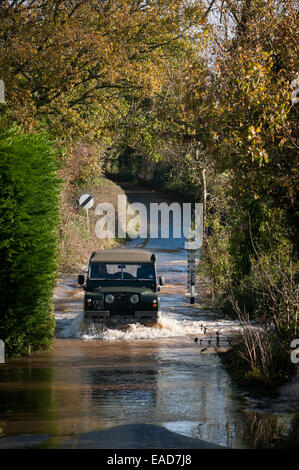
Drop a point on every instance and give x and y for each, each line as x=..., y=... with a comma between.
x=104, y=316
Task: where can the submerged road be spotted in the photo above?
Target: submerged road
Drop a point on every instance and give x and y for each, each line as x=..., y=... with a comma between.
x=141, y=387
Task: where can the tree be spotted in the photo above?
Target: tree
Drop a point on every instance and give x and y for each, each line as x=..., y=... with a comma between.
x=73, y=64
x=255, y=126
x=29, y=216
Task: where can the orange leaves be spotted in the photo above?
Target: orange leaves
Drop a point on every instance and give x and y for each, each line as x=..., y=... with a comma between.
x=76, y=66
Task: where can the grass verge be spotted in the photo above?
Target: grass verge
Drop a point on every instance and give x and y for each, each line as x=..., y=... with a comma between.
x=76, y=241
x=259, y=363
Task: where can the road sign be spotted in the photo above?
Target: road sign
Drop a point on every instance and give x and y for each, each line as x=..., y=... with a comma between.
x=86, y=201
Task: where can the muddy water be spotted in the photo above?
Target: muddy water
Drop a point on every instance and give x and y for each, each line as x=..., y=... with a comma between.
x=94, y=379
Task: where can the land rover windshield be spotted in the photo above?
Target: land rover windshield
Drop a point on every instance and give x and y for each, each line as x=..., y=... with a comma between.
x=122, y=271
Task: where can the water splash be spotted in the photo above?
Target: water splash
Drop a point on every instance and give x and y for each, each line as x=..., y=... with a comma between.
x=167, y=327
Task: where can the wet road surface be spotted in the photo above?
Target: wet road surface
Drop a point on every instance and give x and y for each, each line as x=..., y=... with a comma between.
x=93, y=379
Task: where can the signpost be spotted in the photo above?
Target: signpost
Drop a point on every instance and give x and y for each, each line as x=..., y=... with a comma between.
x=86, y=201
x=295, y=93
x=191, y=275
x=2, y=92
x=2, y=352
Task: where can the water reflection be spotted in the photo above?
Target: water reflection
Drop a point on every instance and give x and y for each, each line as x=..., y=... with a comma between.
x=26, y=393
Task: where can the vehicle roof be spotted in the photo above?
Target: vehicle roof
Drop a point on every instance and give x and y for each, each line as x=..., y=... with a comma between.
x=122, y=255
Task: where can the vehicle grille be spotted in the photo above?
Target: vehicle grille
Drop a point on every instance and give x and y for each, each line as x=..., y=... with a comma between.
x=121, y=304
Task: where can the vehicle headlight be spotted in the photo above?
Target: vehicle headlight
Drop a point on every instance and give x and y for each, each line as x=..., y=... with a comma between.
x=109, y=298
x=134, y=299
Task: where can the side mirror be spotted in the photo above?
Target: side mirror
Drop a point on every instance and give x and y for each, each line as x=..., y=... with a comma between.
x=162, y=280
x=81, y=280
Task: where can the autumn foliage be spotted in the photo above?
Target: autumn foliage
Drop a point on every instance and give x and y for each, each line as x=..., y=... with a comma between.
x=199, y=88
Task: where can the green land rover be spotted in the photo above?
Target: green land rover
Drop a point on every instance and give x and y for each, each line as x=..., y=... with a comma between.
x=122, y=287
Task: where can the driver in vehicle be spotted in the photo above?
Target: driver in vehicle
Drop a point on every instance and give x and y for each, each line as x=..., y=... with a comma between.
x=122, y=271
x=99, y=270
x=102, y=270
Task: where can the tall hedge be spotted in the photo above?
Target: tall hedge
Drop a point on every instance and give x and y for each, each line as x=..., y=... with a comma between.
x=29, y=216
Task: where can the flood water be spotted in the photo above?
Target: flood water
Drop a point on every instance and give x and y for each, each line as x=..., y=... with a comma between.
x=94, y=379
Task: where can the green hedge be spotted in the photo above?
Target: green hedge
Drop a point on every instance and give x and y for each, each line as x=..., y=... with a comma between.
x=29, y=217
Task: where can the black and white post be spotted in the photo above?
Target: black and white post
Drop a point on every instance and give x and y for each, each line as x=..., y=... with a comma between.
x=2, y=92
x=86, y=202
x=191, y=275
x=2, y=352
